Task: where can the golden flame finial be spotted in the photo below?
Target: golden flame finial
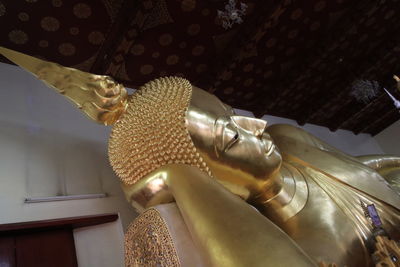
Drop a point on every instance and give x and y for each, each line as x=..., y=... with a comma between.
x=397, y=79
x=98, y=96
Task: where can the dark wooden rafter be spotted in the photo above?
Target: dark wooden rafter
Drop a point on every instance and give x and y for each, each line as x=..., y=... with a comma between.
x=362, y=117
x=385, y=108
x=384, y=121
x=243, y=33
x=345, y=124
x=314, y=104
x=316, y=100
x=114, y=37
x=308, y=56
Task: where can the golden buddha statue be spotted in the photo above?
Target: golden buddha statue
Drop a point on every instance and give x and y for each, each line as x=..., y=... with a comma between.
x=247, y=194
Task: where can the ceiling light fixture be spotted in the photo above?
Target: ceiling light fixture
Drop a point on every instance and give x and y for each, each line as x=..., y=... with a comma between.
x=231, y=14
x=365, y=90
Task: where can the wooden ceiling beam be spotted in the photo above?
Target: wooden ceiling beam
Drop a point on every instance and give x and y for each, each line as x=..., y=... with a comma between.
x=114, y=37
x=351, y=16
x=382, y=123
x=351, y=117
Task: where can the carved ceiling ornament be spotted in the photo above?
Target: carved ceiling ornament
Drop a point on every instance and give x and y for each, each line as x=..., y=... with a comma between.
x=96, y=38
x=57, y=3
x=2, y=9
x=18, y=37
x=23, y=16
x=67, y=49
x=82, y=10
x=232, y=14
x=50, y=24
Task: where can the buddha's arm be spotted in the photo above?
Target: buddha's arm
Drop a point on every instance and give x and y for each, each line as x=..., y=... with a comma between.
x=281, y=131
x=227, y=230
x=388, y=166
x=378, y=162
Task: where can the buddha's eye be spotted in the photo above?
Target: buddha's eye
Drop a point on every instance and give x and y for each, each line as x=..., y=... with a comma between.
x=231, y=137
x=236, y=136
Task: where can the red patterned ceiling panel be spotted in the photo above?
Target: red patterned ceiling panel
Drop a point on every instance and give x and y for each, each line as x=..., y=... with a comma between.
x=66, y=31
x=183, y=38
x=291, y=58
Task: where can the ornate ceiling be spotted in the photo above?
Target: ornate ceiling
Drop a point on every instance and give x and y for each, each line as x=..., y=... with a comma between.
x=294, y=59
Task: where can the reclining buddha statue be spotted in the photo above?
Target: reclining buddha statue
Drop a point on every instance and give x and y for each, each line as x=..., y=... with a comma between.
x=217, y=189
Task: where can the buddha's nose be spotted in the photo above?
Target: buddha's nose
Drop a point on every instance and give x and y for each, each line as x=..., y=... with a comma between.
x=260, y=127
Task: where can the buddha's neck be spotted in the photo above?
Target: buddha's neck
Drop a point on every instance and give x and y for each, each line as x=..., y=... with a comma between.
x=279, y=194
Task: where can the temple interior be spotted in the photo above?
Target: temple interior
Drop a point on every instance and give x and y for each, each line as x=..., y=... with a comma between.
x=294, y=106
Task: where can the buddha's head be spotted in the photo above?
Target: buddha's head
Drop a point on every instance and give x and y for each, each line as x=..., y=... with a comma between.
x=167, y=121
x=170, y=121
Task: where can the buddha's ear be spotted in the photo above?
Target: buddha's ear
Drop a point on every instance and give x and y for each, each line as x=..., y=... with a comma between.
x=99, y=97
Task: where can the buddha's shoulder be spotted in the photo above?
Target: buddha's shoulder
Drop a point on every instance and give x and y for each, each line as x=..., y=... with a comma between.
x=278, y=131
x=275, y=128
x=284, y=133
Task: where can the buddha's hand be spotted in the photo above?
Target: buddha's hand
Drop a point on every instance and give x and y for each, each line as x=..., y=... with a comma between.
x=99, y=96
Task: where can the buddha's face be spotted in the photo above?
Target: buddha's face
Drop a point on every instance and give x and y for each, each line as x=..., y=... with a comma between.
x=240, y=154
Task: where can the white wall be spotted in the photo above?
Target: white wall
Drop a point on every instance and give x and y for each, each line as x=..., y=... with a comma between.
x=389, y=139
x=100, y=245
x=43, y=139
x=361, y=144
